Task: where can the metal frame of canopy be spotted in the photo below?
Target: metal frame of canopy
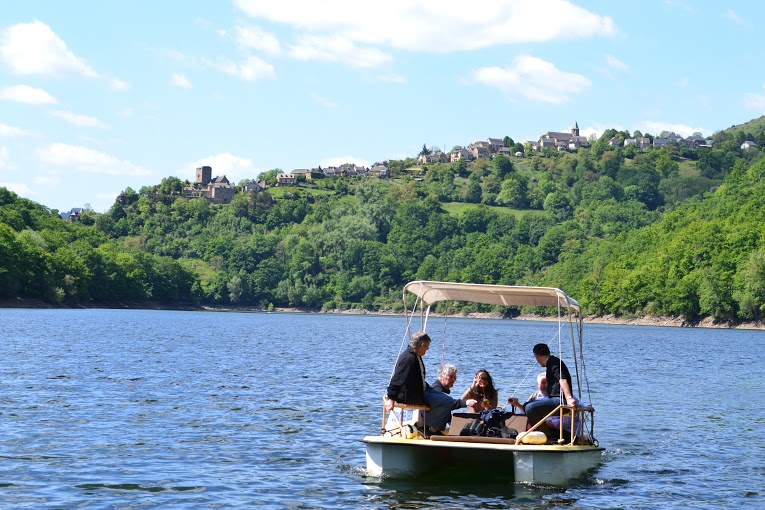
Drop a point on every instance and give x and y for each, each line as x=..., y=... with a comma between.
x=431, y=292
x=506, y=295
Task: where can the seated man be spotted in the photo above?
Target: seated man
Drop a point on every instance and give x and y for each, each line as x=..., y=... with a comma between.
x=558, y=382
x=447, y=376
x=407, y=385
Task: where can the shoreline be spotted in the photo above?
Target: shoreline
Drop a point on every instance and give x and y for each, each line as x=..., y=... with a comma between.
x=647, y=320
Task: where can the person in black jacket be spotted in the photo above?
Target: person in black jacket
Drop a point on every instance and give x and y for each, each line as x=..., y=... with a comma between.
x=408, y=384
x=559, y=388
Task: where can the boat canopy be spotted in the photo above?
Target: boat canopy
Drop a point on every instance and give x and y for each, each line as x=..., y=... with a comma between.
x=505, y=295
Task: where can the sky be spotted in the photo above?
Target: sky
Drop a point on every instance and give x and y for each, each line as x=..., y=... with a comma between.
x=96, y=97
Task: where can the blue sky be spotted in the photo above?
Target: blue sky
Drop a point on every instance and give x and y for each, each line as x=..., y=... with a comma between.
x=97, y=96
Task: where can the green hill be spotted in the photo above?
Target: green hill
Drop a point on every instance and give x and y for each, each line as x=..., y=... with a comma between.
x=672, y=231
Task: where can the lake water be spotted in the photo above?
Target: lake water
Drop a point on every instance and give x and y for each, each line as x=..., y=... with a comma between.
x=146, y=409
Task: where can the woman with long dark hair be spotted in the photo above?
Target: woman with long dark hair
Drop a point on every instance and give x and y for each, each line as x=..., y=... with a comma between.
x=483, y=391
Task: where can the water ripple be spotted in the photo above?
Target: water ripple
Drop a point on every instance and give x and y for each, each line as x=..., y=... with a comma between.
x=238, y=410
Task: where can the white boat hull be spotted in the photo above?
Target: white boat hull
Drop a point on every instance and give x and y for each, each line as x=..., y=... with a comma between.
x=542, y=465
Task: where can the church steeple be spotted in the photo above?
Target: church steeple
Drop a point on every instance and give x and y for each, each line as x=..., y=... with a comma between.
x=575, y=129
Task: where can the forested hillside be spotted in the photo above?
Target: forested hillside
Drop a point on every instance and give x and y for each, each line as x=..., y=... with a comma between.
x=671, y=231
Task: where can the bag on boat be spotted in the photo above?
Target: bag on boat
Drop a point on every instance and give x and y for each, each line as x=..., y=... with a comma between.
x=473, y=428
x=495, y=418
x=490, y=423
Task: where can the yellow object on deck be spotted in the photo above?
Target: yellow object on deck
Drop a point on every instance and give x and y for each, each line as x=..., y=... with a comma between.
x=532, y=437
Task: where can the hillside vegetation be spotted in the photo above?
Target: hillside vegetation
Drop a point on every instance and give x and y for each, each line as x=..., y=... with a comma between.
x=672, y=231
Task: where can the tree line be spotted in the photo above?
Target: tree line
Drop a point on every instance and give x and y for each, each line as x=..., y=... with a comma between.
x=672, y=231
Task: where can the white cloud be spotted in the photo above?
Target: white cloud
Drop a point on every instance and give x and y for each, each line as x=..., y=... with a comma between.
x=656, y=127
x=117, y=84
x=326, y=103
x=47, y=181
x=26, y=94
x=6, y=130
x=79, y=120
x=33, y=48
x=534, y=79
x=127, y=112
x=252, y=69
x=180, y=80
x=616, y=63
x=434, y=27
x=340, y=160
x=599, y=129
x=87, y=160
x=19, y=188
x=733, y=16
x=337, y=49
x=235, y=168
x=392, y=78
x=754, y=101
x=256, y=39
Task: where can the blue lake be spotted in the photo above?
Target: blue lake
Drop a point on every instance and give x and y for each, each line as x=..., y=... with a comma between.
x=146, y=409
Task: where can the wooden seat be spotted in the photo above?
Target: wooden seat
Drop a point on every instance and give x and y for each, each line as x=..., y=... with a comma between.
x=401, y=408
x=474, y=439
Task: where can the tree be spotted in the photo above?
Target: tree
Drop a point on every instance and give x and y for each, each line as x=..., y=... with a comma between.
x=492, y=184
x=472, y=192
x=514, y=192
x=502, y=166
x=610, y=163
x=641, y=183
x=235, y=290
x=269, y=177
x=666, y=166
x=425, y=151
x=11, y=261
x=558, y=206
x=461, y=168
x=749, y=286
x=480, y=166
x=171, y=186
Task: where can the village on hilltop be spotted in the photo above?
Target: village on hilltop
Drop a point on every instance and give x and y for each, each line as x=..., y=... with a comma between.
x=218, y=190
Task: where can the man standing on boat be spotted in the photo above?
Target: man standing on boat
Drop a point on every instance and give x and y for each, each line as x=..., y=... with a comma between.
x=558, y=387
x=408, y=385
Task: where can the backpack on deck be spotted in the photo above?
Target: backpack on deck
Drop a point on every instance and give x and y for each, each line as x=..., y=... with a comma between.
x=490, y=423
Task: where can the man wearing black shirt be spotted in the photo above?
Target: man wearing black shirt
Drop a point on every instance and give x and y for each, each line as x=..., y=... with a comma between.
x=558, y=387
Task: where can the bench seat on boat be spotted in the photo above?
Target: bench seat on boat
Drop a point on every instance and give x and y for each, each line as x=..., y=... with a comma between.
x=474, y=439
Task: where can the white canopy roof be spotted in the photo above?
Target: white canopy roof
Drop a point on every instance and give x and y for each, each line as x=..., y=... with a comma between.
x=505, y=295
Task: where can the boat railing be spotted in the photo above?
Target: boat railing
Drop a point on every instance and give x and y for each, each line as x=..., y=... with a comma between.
x=571, y=419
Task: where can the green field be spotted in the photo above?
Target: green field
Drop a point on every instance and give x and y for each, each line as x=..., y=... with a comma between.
x=455, y=208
